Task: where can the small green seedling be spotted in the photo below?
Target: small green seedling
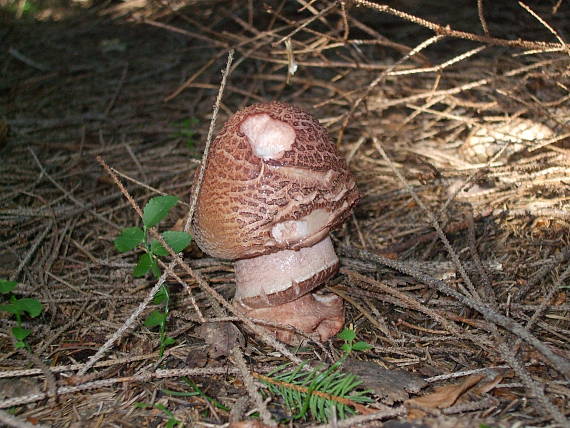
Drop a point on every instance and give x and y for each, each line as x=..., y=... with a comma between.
x=298, y=387
x=195, y=392
x=23, y=8
x=130, y=238
x=200, y=393
x=159, y=318
x=19, y=307
x=171, y=421
x=349, y=337
x=186, y=129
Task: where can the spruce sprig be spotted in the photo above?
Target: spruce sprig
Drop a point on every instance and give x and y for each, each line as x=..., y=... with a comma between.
x=321, y=391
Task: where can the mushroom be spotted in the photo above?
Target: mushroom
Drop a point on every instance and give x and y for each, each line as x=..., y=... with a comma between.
x=274, y=186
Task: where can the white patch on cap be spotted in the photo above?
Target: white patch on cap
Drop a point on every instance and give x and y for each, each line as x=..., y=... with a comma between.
x=269, y=138
x=296, y=230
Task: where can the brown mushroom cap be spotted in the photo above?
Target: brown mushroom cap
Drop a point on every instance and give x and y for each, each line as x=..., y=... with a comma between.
x=273, y=181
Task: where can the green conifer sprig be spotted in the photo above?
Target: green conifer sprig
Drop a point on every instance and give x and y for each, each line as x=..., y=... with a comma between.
x=320, y=391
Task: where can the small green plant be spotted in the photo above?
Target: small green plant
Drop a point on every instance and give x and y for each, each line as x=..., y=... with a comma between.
x=197, y=391
x=22, y=8
x=319, y=392
x=349, y=345
x=171, y=421
x=19, y=307
x=159, y=318
x=154, y=212
x=186, y=129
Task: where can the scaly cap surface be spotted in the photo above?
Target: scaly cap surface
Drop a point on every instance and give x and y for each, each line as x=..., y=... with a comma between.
x=273, y=180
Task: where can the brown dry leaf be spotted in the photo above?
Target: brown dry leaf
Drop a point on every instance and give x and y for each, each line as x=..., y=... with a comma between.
x=390, y=385
x=222, y=337
x=487, y=386
x=197, y=358
x=505, y=394
x=559, y=299
x=440, y=398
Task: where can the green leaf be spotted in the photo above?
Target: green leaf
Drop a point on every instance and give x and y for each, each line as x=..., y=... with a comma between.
x=179, y=393
x=20, y=344
x=154, y=268
x=361, y=346
x=161, y=406
x=32, y=306
x=143, y=265
x=160, y=296
x=7, y=286
x=171, y=423
x=157, y=209
x=169, y=341
x=347, y=335
x=157, y=248
x=154, y=319
x=186, y=130
x=141, y=405
x=177, y=240
x=20, y=333
x=129, y=238
x=11, y=308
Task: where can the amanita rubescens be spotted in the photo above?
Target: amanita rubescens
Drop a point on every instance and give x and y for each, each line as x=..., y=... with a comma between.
x=273, y=188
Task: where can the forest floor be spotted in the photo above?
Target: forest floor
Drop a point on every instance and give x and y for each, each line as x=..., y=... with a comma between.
x=455, y=121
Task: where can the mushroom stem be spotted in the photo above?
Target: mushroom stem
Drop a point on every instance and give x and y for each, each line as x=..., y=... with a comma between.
x=281, y=277
x=319, y=316
x=275, y=287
